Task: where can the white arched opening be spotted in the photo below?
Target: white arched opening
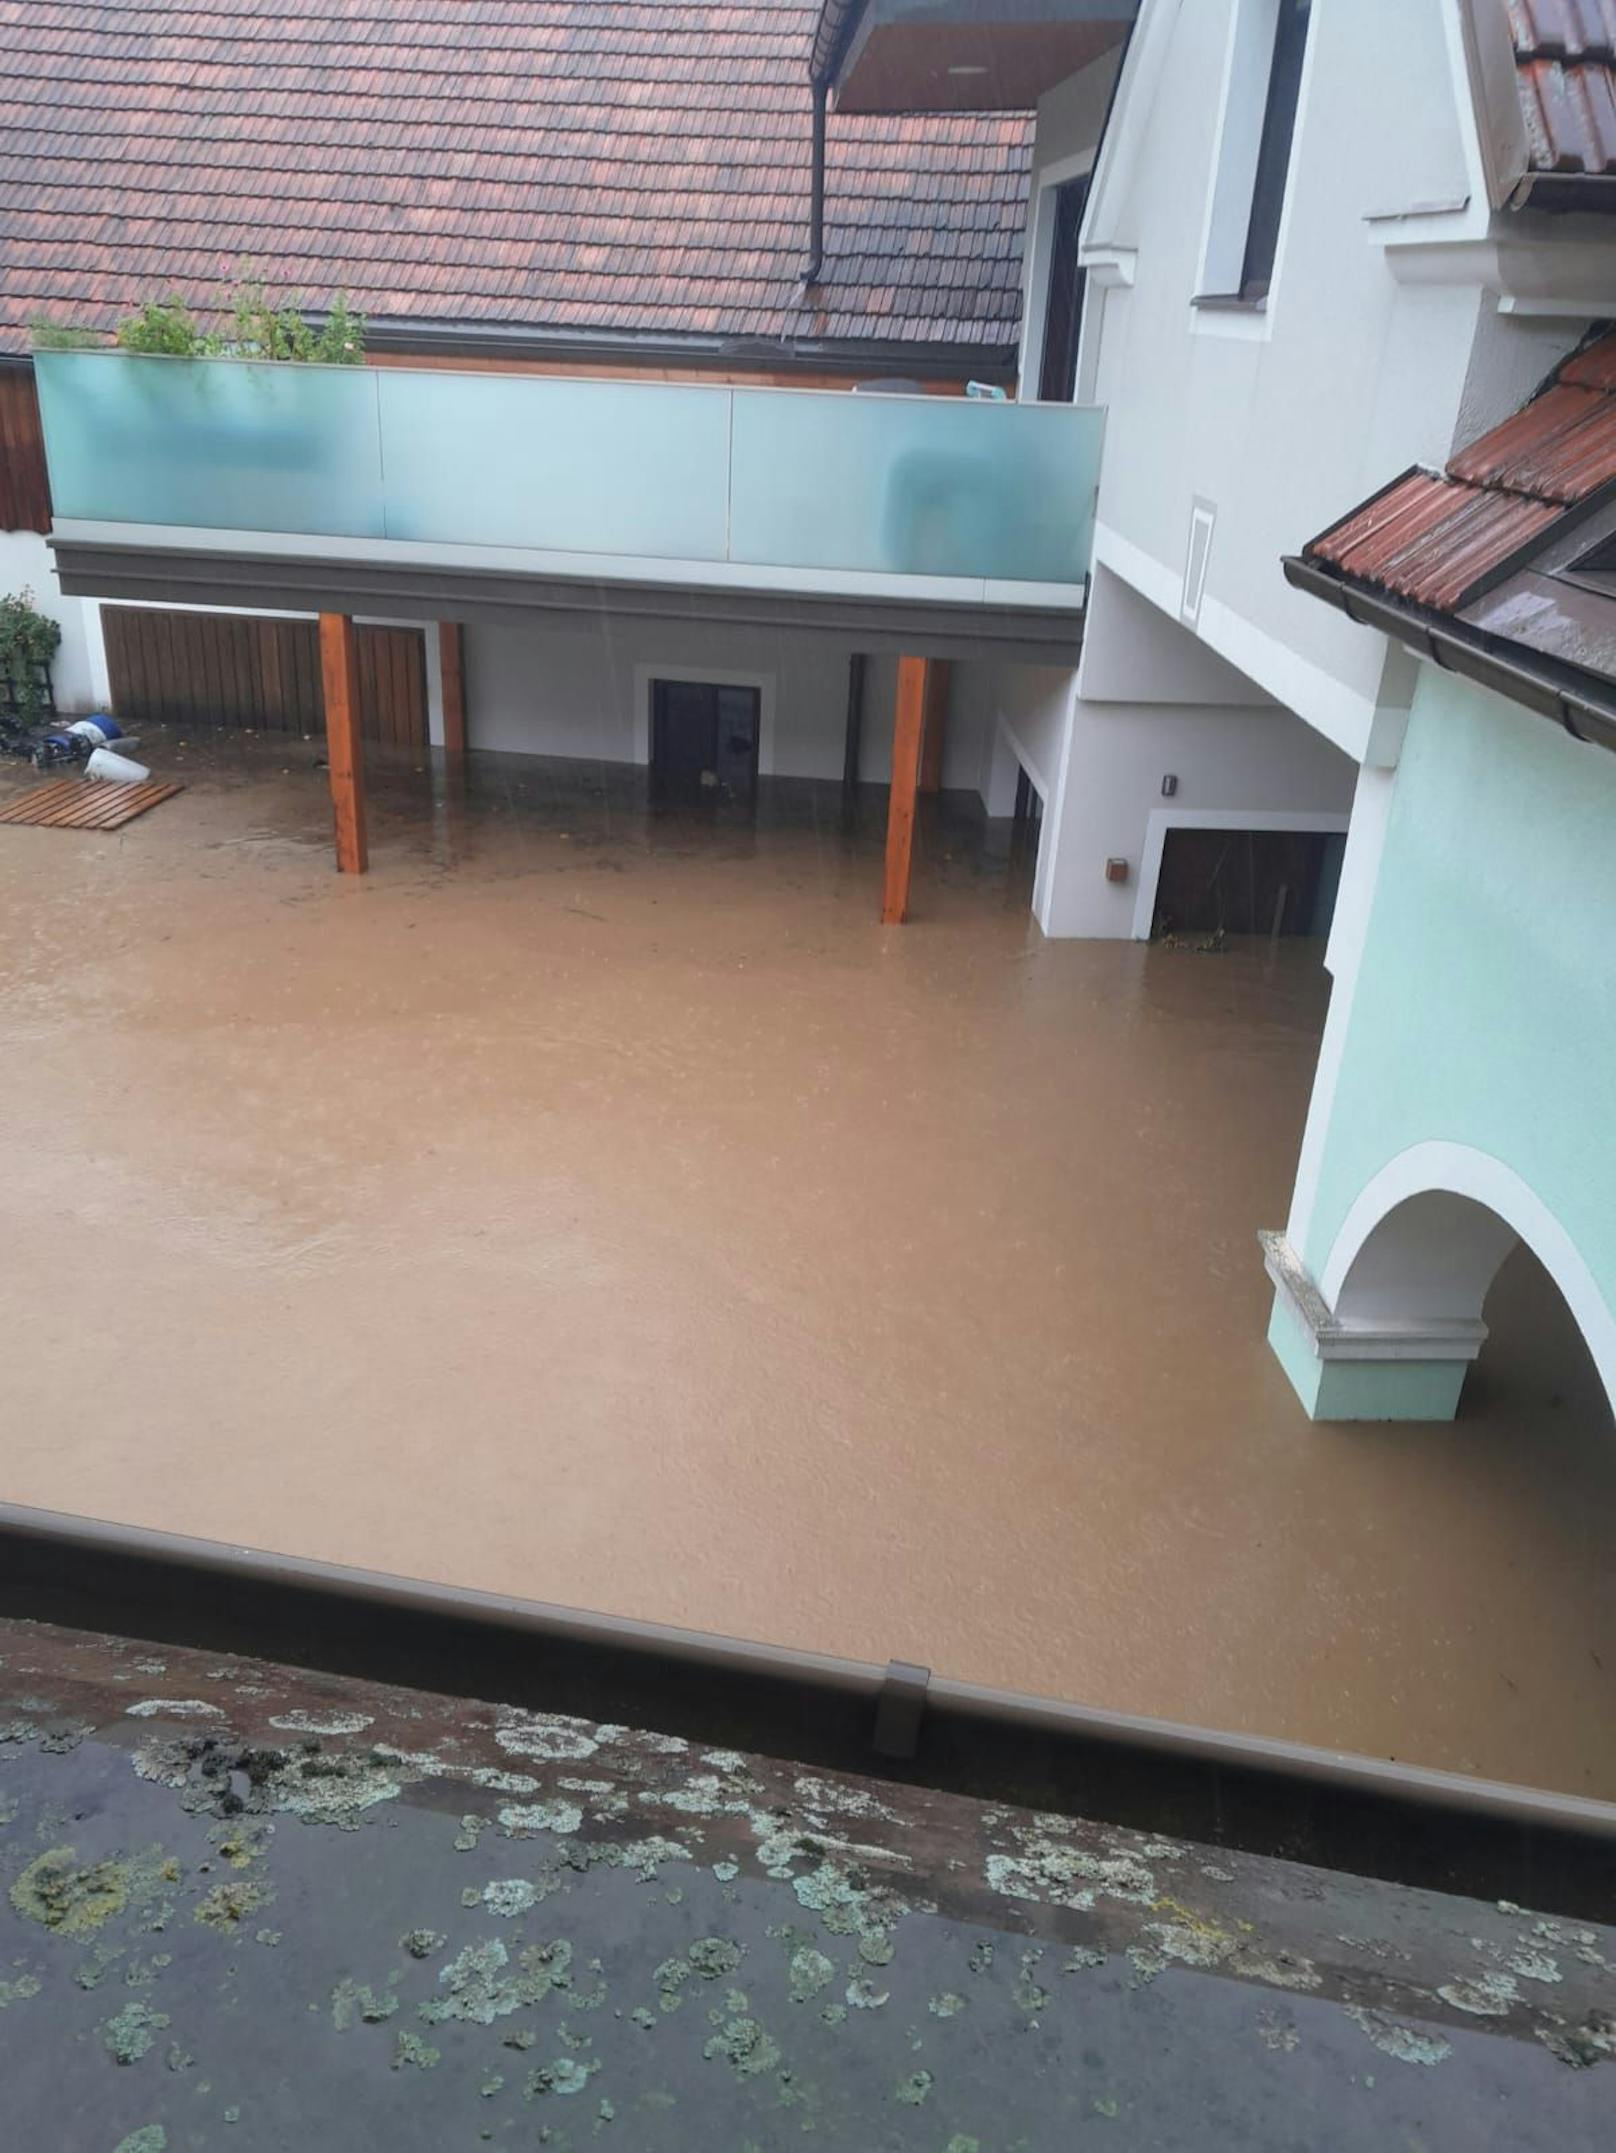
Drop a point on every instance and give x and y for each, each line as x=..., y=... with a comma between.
x=1424, y=1240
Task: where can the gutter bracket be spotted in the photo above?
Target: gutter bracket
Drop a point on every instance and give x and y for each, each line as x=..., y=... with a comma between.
x=900, y=1706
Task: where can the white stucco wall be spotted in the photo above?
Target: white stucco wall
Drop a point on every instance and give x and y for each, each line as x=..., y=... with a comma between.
x=999, y=708
x=1260, y=766
x=1104, y=752
x=551, y=689
x=1281, y=420
x=79, y=671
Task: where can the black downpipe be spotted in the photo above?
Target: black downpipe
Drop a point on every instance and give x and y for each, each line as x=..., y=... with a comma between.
x=816, y=205
x=855, y=721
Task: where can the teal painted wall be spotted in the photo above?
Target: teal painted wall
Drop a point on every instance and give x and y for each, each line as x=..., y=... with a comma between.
x=1485, y=1011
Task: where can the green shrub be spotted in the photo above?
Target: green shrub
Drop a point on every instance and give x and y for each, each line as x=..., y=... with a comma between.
x=258, y=329
x=28, y=642
x=165, y=326
x=61, y=336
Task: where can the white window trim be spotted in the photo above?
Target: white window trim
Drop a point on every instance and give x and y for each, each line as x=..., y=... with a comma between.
x=1163, y=819
x=1040, y=267
x=1250, y=322
x=706, y=676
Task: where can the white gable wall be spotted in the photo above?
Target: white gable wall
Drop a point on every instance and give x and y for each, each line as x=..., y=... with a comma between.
x=1280, y=419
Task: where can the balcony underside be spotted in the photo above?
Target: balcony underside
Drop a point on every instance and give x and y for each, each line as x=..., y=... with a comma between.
x=943, y=616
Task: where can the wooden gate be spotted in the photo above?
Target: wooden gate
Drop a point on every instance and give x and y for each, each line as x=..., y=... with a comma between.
x=236, y=669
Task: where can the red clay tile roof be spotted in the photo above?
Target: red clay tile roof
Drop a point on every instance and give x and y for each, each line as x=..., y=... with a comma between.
x=576, y=165
x=1565, y=57
x=1433, y=538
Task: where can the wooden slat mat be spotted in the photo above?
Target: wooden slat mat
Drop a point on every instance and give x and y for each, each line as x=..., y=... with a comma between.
x=76, y=803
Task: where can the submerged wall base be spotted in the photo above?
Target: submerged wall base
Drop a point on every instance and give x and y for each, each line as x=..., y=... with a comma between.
x=1362, y=1389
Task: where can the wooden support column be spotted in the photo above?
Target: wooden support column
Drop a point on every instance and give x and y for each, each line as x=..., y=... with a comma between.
x=908, y=725
x=452, y=672
x=345, y=753
x=931, y=753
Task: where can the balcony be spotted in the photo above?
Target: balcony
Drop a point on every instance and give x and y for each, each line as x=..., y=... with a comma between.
x=389, y=487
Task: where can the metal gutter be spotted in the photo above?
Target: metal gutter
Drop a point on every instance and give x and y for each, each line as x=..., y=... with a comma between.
x=1566, y=193
x=929, y=361
x=1432, y=1828
x=1543, y=689
x=836, y=29
x=816, y=189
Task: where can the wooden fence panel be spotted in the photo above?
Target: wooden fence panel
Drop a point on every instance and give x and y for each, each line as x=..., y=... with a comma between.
x=24, y=487
x=245, y=673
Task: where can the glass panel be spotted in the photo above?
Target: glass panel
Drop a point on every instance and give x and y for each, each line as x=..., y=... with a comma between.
x=627, y=467
x=770, y=478
x=223, y=445
x=923, y=485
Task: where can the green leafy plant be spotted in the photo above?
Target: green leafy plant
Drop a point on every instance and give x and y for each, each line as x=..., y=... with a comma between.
x=61, y=336
x=28, y=642
x=165, y=326
x=259, y=329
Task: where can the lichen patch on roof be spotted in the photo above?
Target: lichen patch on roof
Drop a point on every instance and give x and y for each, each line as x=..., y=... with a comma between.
x=575, y=165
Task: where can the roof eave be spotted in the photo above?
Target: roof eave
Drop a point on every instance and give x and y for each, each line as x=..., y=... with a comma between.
x=1538, y=685
x=929, y=358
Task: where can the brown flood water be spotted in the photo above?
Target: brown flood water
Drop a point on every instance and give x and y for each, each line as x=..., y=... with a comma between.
x=618, y=1215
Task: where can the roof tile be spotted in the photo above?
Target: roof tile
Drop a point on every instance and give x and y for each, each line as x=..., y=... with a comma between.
x=1435, y=538
x=1565, y=56
x=567, y=164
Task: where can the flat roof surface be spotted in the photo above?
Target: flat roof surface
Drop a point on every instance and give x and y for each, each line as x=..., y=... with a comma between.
x=248, y=1907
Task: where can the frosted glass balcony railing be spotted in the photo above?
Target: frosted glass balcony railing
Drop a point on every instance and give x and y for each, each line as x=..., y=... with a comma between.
x=648, y=471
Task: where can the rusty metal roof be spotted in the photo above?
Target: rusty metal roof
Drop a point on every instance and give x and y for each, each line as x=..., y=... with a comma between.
x=1437, y=538
x=1565, y=55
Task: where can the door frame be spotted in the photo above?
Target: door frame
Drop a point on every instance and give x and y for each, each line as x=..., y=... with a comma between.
x=1298, y=821
x=702, y=676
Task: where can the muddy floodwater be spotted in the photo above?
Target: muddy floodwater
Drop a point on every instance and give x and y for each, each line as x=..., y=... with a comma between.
x=610, y=1211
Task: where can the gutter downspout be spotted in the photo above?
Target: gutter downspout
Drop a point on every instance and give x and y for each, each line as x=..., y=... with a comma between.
x=1578, y=715
x=816, y=194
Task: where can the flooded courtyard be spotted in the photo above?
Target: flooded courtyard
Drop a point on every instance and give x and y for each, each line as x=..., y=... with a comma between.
x=608, y=1210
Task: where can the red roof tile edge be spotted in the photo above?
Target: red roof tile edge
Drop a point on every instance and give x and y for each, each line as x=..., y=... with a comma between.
x=1437, y=539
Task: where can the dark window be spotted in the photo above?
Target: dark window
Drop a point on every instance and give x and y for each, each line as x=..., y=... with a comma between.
x=1057, y=375
x=704, y=740
x=1274, y=151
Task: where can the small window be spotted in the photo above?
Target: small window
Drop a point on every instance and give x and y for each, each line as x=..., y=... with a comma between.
x=1274, y=152
x=1254, y=153
x=1063, y=307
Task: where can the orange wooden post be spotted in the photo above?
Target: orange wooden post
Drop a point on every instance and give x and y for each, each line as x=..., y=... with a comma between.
x=908, y=724
x=931, y=753
x=345, y=755
x=452, y=672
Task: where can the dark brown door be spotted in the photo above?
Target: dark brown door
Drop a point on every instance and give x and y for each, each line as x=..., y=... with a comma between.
x=239, y=670
x=704, y=740
x=1247, y=881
